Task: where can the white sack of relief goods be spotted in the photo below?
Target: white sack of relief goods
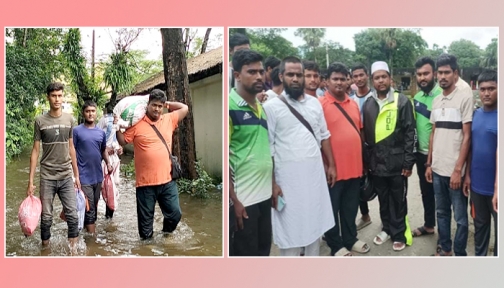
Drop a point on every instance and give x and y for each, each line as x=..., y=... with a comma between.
x=130, y=110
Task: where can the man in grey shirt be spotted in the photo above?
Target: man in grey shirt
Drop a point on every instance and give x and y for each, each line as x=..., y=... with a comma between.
x=54, y=129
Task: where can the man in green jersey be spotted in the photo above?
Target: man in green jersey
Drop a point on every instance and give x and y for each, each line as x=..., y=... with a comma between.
x=423, y=106
x=250, y=163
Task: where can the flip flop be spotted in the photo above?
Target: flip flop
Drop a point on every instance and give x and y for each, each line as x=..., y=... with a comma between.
x=422, y=231
x=399, y=249
x=343, y=252
x=360, y=247
x=361, y=224
x=381, y=238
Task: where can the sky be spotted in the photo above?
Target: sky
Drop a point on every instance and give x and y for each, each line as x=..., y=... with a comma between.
x=442, y=36
x=149, y=39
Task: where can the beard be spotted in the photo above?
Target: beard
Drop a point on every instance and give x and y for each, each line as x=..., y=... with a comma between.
x=294, y=92
x=253, y=90
x=427, y=88
x=88, y=122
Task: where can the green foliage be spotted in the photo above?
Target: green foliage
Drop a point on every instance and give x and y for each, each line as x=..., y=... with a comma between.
x=129, y=169
x=402, y=46
x=435, y=51
x=467, y=52
x=335, y=51
x=82, y=84
x=32, y=62
x=144, y=68
x=268, y=42
x=312, y=37
x=119, y=72
x=201, y=187
x=489, y=59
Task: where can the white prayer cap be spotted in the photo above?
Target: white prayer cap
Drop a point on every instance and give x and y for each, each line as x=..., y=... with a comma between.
x=379, y=65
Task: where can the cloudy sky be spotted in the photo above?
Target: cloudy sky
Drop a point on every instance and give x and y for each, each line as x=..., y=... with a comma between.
x=149, y=39
x=442, y=36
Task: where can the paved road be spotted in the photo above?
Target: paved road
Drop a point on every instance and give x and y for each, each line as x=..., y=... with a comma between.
x=422, y=246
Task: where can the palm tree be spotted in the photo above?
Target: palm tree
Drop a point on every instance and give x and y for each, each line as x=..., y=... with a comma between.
x=312, y=37
x=388, y=36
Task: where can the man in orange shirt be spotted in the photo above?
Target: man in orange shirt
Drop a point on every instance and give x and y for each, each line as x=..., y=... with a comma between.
x=347, y=153
x=152, y=163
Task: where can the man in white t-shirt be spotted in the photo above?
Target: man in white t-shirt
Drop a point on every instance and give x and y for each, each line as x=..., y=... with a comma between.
x=361, y=79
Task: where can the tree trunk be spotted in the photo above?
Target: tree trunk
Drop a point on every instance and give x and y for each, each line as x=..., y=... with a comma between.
x=390, y=65
x=187, y=39
x=25, y=36
x=177, y=89
x=205, y=41
x=93, y=57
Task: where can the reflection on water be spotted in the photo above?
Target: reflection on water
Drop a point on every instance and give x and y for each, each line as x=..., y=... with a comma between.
x=199, y=233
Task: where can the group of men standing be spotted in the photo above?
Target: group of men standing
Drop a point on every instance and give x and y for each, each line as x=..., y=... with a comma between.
x=78, y=151
x=301, y=151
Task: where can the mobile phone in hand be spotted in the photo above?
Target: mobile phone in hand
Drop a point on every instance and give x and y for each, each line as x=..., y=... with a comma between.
x=280, y=203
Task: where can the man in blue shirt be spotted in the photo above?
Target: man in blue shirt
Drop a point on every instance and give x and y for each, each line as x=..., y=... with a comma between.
x=90, y=146
x=481, y=171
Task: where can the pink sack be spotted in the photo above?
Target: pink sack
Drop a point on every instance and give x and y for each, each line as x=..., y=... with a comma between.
x=29, y=214
x=110, y=193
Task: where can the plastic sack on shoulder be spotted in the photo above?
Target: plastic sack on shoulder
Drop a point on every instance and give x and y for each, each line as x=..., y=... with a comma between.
x=110, y=193
x=131, y=110
x=29, y=214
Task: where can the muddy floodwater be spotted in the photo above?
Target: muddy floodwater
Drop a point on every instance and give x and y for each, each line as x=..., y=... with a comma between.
x=198, y=234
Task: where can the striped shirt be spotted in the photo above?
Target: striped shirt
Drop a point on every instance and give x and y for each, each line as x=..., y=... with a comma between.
x=449, y=113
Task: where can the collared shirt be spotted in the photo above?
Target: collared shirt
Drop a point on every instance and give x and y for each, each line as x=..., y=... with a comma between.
x=346, y=145
x=449, y=113
x=423, y=108
x=384, y=101
x=249, y=151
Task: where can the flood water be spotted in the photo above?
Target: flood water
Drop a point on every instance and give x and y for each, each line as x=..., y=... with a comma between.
x=199, y=233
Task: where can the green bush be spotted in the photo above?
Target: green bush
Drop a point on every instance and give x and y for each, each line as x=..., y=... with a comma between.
x=203, y=187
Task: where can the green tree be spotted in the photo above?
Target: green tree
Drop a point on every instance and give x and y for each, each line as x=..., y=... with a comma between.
x=312, y=37
x=467, y=52
x=489, y=59
x=33, y=60
x=334, y=50
x=84, y=87
x=399, y=47
x=119, y=70
x=268, y=41
x=435, y=51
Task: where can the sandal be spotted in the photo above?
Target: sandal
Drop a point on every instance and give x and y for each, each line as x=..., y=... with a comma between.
x=400, y=248
x=440, y=252
x=381, y=238
x=422, y=231
x=343, y=252
x=361, y=224
x=360, y=247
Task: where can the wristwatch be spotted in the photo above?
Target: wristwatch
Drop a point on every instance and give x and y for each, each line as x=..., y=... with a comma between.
x=427, y=165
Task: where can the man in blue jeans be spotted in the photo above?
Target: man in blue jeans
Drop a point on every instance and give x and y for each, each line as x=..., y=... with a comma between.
x=90, y=145
x=54, y=131
x=481, y=169
x=450, y=139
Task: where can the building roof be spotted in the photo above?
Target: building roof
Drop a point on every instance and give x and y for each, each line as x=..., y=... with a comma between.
x=199, y=67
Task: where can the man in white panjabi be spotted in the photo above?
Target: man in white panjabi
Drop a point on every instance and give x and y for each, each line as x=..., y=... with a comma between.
x=300, y=174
